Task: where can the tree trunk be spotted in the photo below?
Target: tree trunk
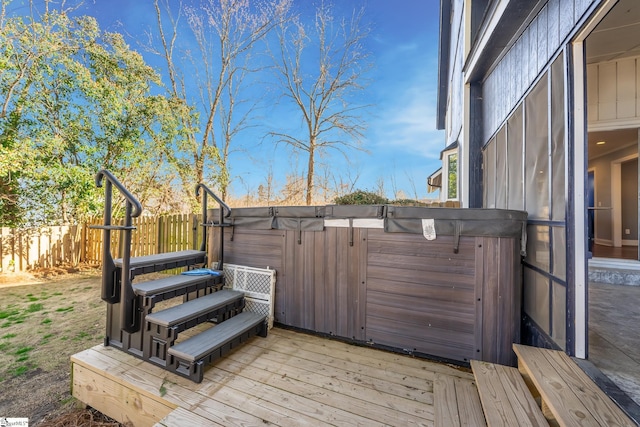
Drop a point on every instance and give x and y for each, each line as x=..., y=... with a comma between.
x=310, y=173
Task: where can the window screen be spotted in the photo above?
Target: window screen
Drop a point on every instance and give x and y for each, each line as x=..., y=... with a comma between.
x=559, y=329
x=538, y=246
x=524, y=169
x=559, y=252
x=515, y=199
x=490, y=174
x=537, y=151
x=501, y=168
x=536, y=298
x=557, y=138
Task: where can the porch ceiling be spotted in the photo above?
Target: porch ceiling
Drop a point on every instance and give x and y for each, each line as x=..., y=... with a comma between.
x=618, y=35
x=614, y=140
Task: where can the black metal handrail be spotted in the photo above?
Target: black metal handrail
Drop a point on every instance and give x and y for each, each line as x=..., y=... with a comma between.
x=112, y=180
x=225, y=212
x=110, y=291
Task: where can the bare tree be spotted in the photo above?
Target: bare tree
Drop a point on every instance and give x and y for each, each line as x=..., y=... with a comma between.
x=380, y=187
x=394, y=183
x=330, y=184
x=226, y=33
x=267, y=190
x=320, y=68
x=412, y=184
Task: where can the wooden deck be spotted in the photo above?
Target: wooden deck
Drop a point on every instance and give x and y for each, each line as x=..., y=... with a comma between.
x=287, y=379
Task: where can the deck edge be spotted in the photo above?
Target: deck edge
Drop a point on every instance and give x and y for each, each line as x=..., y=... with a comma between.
x=97, y=387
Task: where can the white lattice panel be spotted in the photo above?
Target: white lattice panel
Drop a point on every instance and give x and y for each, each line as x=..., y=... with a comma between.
x=258, y=285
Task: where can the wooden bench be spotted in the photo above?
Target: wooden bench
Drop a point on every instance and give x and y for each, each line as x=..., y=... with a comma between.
x=456, y=402
x=568, y=396
x=505, y=398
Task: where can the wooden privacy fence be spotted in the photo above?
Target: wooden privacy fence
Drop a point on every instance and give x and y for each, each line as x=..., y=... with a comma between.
x=47, y=247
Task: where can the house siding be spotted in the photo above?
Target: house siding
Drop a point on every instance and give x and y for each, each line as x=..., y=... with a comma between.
x=455, y=106
x=533, y=50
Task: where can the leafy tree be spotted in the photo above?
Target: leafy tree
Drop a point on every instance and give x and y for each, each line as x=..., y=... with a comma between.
x=321, y=69
x=74, y=100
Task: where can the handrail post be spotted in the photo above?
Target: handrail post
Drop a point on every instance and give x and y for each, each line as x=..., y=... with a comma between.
x=112, y=291
x=203, y=245
x=220, y=266
x=109, y=293
x=128, y=306
x=225, y=211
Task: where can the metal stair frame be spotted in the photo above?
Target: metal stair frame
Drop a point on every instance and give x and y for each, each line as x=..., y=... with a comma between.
x=159, y=338
x=127, y=326
x=224, y=212
x=117, y=289
x=193, y=368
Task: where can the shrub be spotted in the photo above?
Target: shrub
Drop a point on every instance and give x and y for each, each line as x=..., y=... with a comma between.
x=360, y=197
x=407, y=202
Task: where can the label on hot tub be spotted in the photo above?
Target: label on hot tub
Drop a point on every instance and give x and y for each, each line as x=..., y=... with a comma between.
x=429, y=229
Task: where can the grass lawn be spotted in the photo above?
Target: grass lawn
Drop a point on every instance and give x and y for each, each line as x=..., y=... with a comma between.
x=41, y=325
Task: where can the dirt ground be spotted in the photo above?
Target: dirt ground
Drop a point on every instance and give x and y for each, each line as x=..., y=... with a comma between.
x=44, y=319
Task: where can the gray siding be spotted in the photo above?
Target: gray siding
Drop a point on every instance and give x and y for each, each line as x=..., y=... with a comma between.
x=522, y=64
x=455, y=113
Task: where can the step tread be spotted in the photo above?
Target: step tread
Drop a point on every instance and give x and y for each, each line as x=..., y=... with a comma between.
x=192, y=309
x=168, y=257
x=505, y=398
x=566, y=390
x=170, y=283
x=200, y=345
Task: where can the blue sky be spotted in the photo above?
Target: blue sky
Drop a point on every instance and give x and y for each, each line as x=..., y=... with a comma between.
x=401, y=138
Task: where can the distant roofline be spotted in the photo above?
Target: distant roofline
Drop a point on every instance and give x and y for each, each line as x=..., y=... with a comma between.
x=444, y=36
x=449, y=147
x=439, y=170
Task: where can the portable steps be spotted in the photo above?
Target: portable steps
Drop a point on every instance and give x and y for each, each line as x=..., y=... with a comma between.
x=132, y=324
x=164, y=326
x=188, y=357
x=167, y=261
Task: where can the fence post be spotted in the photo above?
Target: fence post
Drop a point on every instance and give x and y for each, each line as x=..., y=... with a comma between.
x=83, y=244
x=194, y=231
x=159, y=234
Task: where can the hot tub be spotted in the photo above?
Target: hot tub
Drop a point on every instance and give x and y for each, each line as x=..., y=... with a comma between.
x=437, y=282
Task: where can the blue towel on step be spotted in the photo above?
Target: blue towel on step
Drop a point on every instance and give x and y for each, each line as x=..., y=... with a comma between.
x=201, y=272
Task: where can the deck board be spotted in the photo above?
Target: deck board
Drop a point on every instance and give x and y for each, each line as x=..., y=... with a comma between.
x=182, y=417
x=286, y=379
x=361, y=356
x=304, y=368
x=505, y=397
x=359, y=401
x=457, y=403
